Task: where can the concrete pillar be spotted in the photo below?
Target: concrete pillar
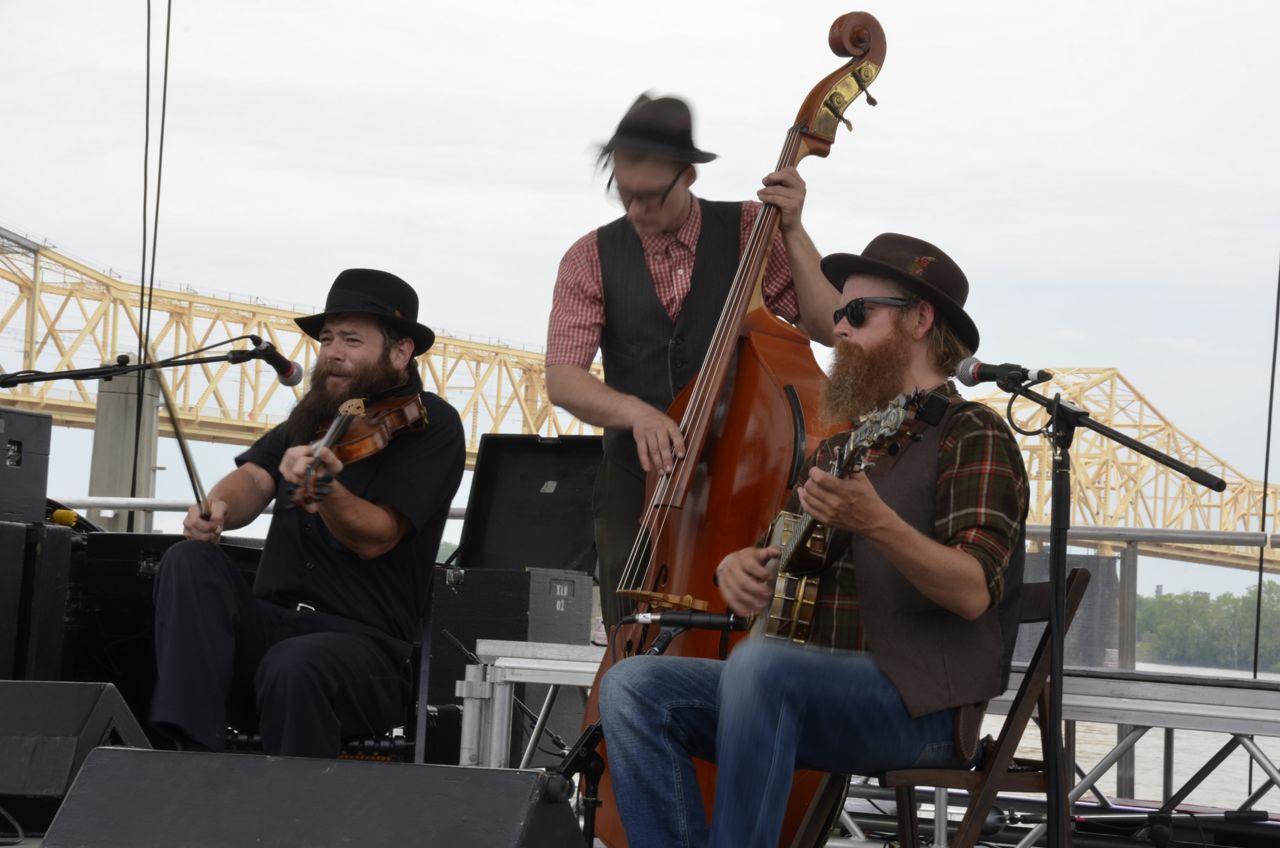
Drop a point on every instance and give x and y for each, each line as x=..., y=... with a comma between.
x=111, y=471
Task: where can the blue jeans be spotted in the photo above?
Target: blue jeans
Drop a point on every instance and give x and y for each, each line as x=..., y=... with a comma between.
x=772, y=707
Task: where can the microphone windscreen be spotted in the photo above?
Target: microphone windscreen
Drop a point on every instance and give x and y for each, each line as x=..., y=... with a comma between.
x=967, y=371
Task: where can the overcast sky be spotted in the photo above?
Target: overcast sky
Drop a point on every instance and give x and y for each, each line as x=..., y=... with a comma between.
x=1105, y=172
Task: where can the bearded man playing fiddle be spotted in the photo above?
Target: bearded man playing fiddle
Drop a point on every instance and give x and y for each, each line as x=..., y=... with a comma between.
x=318, y=650
x=917, y=607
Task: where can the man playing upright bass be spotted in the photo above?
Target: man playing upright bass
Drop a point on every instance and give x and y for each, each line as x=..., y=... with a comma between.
x=647, y=290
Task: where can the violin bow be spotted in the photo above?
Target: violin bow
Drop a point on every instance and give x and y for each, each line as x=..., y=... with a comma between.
x=172, y=408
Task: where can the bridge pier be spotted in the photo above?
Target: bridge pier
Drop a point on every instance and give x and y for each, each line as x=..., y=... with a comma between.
x=112, y=467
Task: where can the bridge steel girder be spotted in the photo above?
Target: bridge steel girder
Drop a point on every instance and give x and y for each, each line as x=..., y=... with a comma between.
x=65, y=315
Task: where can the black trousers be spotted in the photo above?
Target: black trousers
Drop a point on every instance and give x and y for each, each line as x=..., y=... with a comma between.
x=305, y=680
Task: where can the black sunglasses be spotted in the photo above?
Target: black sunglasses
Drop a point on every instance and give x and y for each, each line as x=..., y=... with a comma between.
x=855, y=311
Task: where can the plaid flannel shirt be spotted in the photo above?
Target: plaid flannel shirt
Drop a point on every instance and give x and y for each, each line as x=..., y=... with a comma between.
x=980, y=506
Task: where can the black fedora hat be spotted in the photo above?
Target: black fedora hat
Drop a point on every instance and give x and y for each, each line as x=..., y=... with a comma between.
x=661, y=127
x=917, y=266
x=377, y=293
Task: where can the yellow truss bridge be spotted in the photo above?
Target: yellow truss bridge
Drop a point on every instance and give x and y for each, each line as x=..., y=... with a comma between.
x=58, y=314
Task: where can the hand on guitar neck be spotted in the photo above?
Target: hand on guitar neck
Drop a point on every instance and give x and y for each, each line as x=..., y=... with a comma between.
x=843, y=503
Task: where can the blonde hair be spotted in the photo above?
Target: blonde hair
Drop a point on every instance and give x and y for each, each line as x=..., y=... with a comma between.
x=945, y=348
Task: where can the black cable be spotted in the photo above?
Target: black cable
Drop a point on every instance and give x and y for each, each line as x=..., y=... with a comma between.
x=1262, y=517
x=146, y=291
x=146, y=170
x=20, y=835
x=176, y=360
x=1266, y=475
x=1008, y=414
x=140, y=378
x=1204, y=843
x=164, y=106
x=881, y=810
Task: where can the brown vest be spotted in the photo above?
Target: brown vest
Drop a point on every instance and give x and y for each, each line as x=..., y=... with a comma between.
x=935, y=658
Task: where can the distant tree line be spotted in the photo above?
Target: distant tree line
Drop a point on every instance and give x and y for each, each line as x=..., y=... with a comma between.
x=1193, y=628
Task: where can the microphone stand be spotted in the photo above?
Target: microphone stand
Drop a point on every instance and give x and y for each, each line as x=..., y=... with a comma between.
x=1064, y=418
x=121, y=368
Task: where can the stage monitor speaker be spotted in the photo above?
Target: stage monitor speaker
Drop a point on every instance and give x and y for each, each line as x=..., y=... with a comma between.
x=530, y=504
x=47, y=729
x=137, y=799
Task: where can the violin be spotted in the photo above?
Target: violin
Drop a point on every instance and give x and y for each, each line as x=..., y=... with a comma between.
x=359, y=430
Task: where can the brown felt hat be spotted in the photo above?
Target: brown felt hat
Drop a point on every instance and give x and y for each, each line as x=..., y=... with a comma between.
x=368, y=292
x=917, y=266
x=661, y=127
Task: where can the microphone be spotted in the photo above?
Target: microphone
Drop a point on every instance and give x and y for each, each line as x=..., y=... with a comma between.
x=696, y=620
x=289, y=372
x=971, y=372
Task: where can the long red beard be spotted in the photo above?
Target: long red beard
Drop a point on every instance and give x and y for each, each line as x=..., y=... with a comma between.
x=863, y=380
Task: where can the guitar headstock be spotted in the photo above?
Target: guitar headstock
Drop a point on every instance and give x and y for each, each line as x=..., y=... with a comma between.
x=879, y=430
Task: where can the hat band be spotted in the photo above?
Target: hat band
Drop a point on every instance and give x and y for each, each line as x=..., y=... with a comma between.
x=657, y=135
x=353, y=302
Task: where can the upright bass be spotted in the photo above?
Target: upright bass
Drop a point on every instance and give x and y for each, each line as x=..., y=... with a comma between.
x=748, y=420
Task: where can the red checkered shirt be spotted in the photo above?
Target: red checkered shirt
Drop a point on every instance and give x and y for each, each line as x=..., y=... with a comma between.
x=577, y=304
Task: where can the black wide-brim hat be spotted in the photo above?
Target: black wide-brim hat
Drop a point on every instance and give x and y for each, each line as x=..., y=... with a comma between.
x=917, y=266
x=660, y=127
x=367, y=292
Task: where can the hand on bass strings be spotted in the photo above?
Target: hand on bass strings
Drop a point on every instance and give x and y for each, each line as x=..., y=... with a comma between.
x=312, y=472
x=843, y=503
x=745, y=579
x=658, y=438
x=785, y=189
x=195, y=526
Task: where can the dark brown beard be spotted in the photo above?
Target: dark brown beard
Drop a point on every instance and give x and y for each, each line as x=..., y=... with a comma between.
x=865, y=380
x=320, y=404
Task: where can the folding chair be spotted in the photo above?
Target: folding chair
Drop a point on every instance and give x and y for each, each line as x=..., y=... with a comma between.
x=999, y=770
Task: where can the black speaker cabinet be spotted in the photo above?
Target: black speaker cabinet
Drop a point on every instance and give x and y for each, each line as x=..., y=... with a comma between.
x=13, y=546
x=110, y=617
x=51, y=553
x=24, y=464
x=46, y=731
x=530, y=504
x=136, y=799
